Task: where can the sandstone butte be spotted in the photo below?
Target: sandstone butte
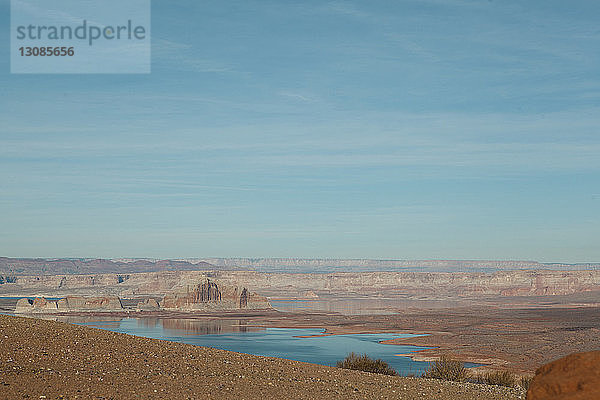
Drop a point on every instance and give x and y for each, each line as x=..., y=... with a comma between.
x=574, y=377
x=53, y=360
x=206, y=295
x=210, y=295
x=69, y=303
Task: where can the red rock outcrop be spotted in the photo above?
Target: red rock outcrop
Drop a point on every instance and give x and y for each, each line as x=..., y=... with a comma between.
x=574, y=377
x=209, y=295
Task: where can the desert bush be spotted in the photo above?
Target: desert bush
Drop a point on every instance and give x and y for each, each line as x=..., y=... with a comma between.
x=524, y=381
x=500, y=378
x=362, y=362
x=448, y=369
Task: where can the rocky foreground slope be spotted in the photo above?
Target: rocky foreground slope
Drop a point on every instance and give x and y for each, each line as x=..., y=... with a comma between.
x=52, y=360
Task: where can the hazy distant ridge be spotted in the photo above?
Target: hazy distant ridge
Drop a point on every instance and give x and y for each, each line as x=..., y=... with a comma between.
x=357, y=265
x=52, y=266
x=23, y=266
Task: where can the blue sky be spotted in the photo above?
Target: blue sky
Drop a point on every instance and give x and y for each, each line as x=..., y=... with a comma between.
x=408, y=129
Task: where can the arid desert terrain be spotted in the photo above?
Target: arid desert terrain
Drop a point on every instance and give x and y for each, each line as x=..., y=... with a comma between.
x=514, y=320
x=52, y=360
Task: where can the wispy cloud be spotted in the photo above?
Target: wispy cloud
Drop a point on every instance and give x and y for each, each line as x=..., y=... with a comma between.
x=296, y=96
x=346, y=8
x=554, y=141
x=180, y=56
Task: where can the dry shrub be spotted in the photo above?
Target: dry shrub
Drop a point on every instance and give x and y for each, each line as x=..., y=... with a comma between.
x=448, y=369
x=499, y=378
x=524, y=381
x=362, y=362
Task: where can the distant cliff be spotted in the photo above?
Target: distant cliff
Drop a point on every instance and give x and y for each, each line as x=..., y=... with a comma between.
x=324, y=265
x=438, y=285
x=418, y=284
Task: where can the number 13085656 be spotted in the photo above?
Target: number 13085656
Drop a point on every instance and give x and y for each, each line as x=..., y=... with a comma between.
x=47, y=51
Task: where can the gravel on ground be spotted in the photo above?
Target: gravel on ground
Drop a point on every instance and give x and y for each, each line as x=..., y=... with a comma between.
x=52, y=360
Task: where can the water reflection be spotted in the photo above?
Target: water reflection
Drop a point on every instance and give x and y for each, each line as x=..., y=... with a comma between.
x=181, y=326
x=207, y=327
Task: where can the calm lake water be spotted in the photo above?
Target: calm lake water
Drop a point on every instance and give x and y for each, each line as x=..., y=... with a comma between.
x=272, y=342
x=342, y=306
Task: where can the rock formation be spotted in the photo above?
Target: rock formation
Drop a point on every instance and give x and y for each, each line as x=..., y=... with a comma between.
x=209, y=295
x=80, y=303
x=437, y=285
x=149, y=304
x=574, y=377
x=406, y=284
x=303, y=265
x=69, y=304
x=39, y=304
